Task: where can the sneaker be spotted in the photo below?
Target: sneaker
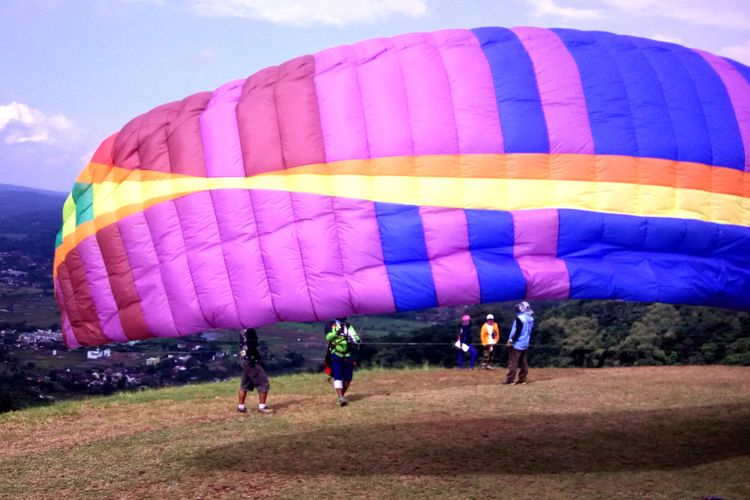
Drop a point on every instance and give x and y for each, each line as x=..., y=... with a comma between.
x=521, y=383
x=265, y=411
x=342, y=401
x=242, y=409
x=509, y=383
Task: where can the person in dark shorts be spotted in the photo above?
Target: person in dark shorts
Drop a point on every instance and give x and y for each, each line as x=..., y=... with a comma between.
x=253, y=375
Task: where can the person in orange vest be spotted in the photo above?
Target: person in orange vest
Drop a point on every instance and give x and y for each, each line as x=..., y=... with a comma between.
x=490, y=335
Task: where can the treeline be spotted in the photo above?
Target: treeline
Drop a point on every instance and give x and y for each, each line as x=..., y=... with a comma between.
x=588, y=334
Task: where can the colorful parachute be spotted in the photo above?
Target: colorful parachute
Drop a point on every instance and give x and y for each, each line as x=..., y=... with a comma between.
x=454, y=167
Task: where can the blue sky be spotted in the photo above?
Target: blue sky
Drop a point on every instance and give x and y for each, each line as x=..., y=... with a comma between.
x=75, y=71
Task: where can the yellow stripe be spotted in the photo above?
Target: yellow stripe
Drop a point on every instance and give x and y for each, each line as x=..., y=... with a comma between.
x=69, y=216
x=121, y=191
x=454, y=192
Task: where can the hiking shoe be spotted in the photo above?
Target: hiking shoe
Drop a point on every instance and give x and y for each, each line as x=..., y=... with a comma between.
x=342, y=401
x=265, y=411
x=242, y=409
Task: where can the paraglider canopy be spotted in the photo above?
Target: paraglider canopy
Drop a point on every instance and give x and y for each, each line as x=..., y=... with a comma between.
x=429, y=169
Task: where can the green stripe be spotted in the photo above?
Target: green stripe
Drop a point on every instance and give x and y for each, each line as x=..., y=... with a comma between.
x=83, y=196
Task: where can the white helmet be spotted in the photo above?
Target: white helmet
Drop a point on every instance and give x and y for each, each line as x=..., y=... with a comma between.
x=489, y=316
x=523, y=307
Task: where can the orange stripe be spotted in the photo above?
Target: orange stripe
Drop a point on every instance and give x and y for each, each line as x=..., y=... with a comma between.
x=96, y=173
x=568, y=167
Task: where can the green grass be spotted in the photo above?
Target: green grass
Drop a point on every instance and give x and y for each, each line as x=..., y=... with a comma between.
x=668, y=432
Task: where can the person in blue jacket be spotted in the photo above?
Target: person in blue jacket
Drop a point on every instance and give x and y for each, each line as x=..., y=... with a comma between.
x=518, y=344
x=463, y=343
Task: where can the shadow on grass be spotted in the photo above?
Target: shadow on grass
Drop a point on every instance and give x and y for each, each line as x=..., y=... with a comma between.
x=574, y=443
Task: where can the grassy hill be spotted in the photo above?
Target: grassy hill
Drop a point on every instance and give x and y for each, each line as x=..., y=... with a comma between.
x=661, y=432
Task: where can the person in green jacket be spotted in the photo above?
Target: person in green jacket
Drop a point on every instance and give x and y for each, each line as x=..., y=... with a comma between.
x=341, y=336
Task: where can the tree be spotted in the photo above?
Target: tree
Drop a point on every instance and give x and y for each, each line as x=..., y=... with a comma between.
x=581, y=343
x=643, y=345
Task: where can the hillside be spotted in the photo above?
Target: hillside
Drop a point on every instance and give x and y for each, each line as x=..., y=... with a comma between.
x=29, y=221
x=15, y=200
x=652, y=432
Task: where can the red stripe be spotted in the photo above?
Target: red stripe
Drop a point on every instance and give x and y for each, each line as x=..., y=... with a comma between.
x=66, y=298
x=142, y=142
x=184, y=137
x=78, y=302
x=103, y=154
x=166, y=139
x=278, y=118
x=121, y=280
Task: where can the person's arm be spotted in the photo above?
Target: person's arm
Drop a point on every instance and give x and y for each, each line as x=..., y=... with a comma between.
x=517, y=327
x=353, y=334
x=331, y=336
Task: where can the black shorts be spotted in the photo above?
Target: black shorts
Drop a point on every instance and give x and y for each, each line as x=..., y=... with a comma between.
x=254, y=377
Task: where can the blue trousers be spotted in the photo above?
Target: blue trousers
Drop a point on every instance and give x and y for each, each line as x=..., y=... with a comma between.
x=341, y=368
x=471, y=351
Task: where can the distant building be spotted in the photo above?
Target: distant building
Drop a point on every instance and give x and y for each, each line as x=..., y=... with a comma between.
x=152, y=361
x=99, y=354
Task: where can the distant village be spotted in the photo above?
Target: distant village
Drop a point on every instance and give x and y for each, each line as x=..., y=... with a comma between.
x=17, y=269
x=38, y=368
x=46, y=371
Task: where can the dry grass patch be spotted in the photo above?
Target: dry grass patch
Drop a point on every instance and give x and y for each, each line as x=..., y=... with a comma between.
x=636, y=432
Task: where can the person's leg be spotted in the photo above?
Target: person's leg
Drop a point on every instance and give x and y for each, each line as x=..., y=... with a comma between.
x=263, y=386
x=473, y=356
x=485, y=356
x=512, y=365
x=245, y=385
x=523, y=364
x=348, y=375
x=490, y=357
x=338, y=376
x=460, y=359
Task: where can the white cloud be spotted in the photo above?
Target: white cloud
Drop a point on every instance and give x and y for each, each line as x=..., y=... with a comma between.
x=734, y=14
x=666, y=38
x=309, y=12
x=739, y=53
x=550, y=8
x=21, y=123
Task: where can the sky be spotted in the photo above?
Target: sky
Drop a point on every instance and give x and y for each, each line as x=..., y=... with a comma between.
x=76, y=71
